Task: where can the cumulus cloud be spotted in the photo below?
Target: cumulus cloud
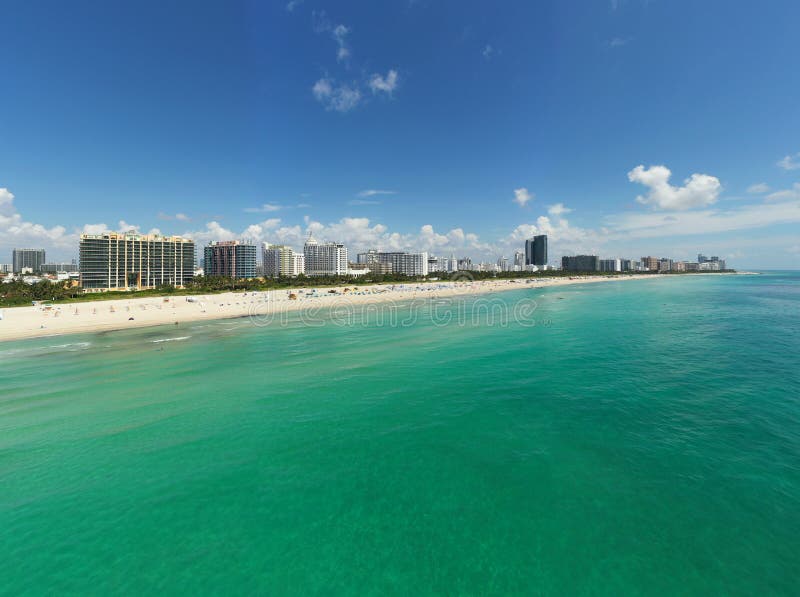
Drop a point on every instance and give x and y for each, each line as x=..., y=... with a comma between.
x=758, y=189
x=340, y=98
x=558, y=209
x=699, y=190
x=94, y=229
x=790, y=162
x=617, y=42
x=522, y=196
x=359, y=233
x=256, y=232
x=16, y=232
x=387, y=84
x=488, y=51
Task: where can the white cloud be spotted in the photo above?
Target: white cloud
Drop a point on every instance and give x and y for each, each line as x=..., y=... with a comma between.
x=373, y=192
x=123, y=226
x=792, y=194
x=341, y=98
x=256, y=232
x=6, y=199
x=292, y=4
x=488, y=51
x=758, y=189
x=359, y=234
x=322, y=89
x=522, y=196
x=699, y=190
x=385, y=84
x=265, y=208
x=704, y=222
x=558, y=209
x=617, y=42
x=179, y=216
x=339, y=34
x=790, y=162
x=16, y=232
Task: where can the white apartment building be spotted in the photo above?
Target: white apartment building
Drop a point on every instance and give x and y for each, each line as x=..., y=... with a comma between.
x=280, y=260
x=325, y=259
x=408, y=264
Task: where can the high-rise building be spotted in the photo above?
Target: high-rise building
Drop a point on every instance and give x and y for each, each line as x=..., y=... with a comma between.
x=325, y=259
x=519, y=261
x=610, y=265
x=665, y=265
x=626, y=265
x=230, y=258
x=433, y=264
x=280, y=260
x=132, y=261
x=32, y=259
x=408, y=264
x=536, y=250
x=650, y=263
x=713, y=263
x=580, y=263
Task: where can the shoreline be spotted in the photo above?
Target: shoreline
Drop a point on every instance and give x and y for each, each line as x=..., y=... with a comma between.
x=22, y=323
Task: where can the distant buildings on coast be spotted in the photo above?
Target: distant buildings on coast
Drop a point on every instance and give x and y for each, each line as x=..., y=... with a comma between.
x=133, y=261
x=592, y=263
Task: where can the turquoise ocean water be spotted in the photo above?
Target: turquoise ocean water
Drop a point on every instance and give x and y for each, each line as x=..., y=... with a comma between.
x=640, y=438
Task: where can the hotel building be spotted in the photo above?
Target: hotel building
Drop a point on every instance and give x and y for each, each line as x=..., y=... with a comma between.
x=280, y=260
x=325, y=259
x=132, y=261
x=230, y=258
x=408, y=264
x=650, y=263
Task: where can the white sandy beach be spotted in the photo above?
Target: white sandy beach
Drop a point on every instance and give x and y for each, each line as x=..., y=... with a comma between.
x=70, y=318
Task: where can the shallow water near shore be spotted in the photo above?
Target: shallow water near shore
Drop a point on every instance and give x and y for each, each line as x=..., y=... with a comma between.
x=617, y=439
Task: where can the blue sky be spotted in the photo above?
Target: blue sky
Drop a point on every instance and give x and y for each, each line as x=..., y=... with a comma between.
x=480, y=123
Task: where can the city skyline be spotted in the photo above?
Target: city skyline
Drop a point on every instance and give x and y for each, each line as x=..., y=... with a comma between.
x=278, y=122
